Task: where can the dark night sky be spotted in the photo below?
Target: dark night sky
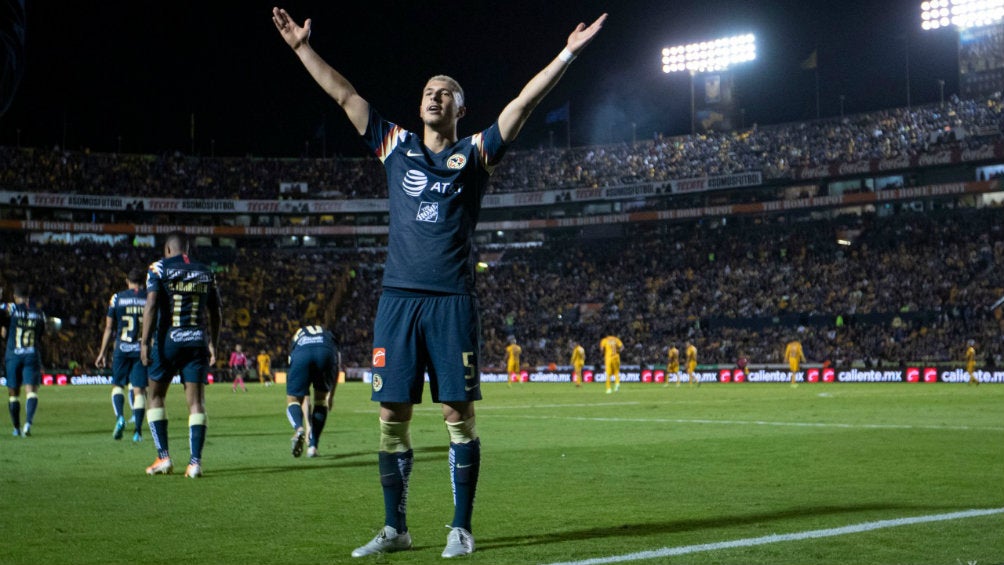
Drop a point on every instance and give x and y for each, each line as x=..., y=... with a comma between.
x=138, y=70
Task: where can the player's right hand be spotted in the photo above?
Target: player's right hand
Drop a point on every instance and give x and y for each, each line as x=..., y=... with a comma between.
x=100, y=361
x=295, y=35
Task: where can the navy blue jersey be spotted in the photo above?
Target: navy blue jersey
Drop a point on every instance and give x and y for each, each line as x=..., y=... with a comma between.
x=185, y=289
x=27, y=324
x=310, y=337
x=126, y=311
x=435, y=202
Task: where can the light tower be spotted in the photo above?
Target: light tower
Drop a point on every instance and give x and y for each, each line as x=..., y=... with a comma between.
x=980, y=28
x=712, y=60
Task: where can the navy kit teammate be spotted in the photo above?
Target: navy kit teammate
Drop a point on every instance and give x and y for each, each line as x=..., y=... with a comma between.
x=179, y=295
x=125, y=315
x=313, y=362
x=23, y=358
x=427, y=318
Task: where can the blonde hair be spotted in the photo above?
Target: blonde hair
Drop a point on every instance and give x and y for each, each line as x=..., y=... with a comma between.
x=458, y=92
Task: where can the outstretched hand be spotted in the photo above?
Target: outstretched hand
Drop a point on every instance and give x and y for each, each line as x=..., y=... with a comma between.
x=294, y=34
x=583, y=35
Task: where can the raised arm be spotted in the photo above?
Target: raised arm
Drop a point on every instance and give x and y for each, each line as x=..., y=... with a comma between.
x=337, y=86
x=516, y=113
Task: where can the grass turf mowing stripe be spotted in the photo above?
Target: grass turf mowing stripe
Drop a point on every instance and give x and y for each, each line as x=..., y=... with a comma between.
x=764, y=423
x=775, y=538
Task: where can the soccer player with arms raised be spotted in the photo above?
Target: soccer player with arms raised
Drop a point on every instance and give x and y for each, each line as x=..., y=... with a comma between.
x=180, y=293
x=125, y=315
x=427, y=319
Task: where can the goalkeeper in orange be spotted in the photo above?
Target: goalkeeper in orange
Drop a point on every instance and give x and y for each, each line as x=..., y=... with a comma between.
x=611, y=347
x=793, y=355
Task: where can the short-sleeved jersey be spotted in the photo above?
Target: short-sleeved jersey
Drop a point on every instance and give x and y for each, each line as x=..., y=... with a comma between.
x=185, y=289
x=25, y=329
x=673, y=358
x=125, y=308
x=312, y=337
x=578, y=356
x=435, y=203
x=793, y=352
x=970, y=355
x=264, y=363
x=691, y=355
x=611, y=347
x=238, y=359
x=512, y=353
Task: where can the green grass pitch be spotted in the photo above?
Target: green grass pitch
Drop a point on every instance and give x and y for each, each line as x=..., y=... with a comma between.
x=567, y=474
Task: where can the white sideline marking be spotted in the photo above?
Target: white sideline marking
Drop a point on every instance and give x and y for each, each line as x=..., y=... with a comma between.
x=764, y=423
x=775, y=538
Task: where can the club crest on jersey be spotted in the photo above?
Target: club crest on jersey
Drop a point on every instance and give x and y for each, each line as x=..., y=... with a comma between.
x=428, y=212
x=414, y=182
x=456, y=161
x=377, y=382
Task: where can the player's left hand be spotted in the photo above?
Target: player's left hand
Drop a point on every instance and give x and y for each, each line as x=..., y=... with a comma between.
x=583, y=35
x=144, y=354
x=212, y=355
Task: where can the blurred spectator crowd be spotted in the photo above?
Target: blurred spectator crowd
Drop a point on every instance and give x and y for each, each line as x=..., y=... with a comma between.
x=908, y=287
x=774, y=150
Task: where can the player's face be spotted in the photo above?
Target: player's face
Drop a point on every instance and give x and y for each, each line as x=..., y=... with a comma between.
x=440, y=105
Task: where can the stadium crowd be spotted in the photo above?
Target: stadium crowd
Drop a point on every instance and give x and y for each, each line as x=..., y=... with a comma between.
x=910, y=287
x=774, y=150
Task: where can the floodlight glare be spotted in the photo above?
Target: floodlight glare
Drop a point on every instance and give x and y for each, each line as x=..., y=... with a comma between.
x=936, y=14
x=714, y=55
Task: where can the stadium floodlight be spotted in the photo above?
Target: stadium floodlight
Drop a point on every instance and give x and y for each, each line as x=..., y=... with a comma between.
x=963, y=14
x=714, y=55
x=708, y=56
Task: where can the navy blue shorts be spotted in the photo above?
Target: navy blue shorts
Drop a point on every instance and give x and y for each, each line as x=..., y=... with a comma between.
x=415, y=333
x=23, y=370
x=192, y=363
x=311, y=366
x=128, y=369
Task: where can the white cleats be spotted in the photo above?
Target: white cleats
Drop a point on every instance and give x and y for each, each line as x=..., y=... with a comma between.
x=387, y=541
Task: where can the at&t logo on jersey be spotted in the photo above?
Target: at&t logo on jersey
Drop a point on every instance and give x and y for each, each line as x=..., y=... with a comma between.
x=414, y=182
x=428, y=212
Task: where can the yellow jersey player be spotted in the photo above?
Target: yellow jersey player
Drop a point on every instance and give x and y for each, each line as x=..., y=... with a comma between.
x=673, y=365
x=691, y=352
x=512, y=352
x=971, y=363
x=578, y=360
x=793, y=355
x=611, y=347
x=265, y=368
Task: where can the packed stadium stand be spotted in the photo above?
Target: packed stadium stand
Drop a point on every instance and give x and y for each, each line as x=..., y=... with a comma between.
x=873, y=239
